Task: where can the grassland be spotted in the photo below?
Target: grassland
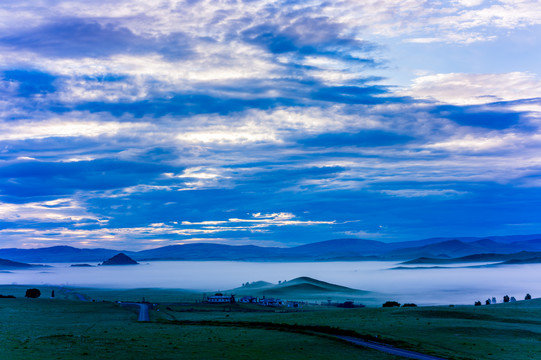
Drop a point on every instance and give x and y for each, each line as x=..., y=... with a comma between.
x=68, y=329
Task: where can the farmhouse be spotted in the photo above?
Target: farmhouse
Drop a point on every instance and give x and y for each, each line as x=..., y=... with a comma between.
x=248, y=300
x=220, y=298
x=271, y=302
x=295, y=304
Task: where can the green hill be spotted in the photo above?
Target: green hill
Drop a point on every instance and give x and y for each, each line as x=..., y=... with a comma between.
x=120, y=259
x=302, y=287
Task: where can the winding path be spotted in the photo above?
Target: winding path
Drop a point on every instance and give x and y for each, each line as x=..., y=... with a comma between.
x=143, y=310
x=81, y=297
x=323, y=331
x=389, y=349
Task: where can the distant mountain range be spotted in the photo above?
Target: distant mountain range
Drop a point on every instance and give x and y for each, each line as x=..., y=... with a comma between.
x=14, y=265
x=428, y=251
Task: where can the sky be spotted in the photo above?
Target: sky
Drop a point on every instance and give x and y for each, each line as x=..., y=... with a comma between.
x=134, y=124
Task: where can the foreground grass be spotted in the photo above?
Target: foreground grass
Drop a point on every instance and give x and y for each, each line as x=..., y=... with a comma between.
x=504, y=331
x=64, y=329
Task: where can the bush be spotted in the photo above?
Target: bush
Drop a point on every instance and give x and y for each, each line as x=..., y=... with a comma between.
x=506, y=298
x=32, y=293
x=391, y=304
x=528, y=297
x=409, y=305
x=477, y=303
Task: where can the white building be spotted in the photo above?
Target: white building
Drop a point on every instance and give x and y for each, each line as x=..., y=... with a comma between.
x=220, y=298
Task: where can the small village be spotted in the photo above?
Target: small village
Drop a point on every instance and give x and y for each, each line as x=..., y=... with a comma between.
x=220, y=298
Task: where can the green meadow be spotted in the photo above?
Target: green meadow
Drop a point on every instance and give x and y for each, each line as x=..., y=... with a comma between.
x=183, y=327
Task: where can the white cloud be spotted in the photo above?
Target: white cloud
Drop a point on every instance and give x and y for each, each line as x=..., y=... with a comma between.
x=259, y=221
x=239, y=135
x=410, y=193
x=120, y=237
x=273, y=126
x=472, y=89
x=83, y=79
x=470, y=142
x=470, y=2
x=60, y=210
x=62, y=127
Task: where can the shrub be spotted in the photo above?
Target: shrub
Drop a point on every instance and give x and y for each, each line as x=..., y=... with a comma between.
x=506, y=298
x=487, y=301
x=528, y=297
x=32, y=293
x=391, y=304
x=409, y=305
x=477, y=303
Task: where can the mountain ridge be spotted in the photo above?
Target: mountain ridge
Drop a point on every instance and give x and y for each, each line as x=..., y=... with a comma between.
x=345, y=249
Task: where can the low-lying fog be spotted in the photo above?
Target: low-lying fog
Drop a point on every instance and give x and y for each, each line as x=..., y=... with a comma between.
x=421, y=286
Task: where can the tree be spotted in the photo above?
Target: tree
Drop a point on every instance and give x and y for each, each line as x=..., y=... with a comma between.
x=32, y=293
x=487, y=302
x=477, y=303
x=506, y=298
x=391, y=304
x=409, y=305
x=528, y=297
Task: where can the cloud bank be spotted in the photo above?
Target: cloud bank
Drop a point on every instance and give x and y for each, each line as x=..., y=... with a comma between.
x=131, y=124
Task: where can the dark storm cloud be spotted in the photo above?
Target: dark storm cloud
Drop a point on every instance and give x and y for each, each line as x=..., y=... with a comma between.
x=479, y=116
x=76, y=38
x=303, y=35
x=185, y=105
x=368, y=138
x=33, y=178
x=278, y=178
x=30, y=82
x=353, y=95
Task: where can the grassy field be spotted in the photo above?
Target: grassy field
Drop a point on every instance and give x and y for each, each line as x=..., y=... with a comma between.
x=504, y=331
x=66, y=328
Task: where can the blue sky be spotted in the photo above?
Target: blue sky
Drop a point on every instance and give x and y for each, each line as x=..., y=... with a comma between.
x=135, y=124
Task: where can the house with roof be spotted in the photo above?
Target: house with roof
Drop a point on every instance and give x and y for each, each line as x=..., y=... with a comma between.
x=248, y=300
x=271, y=302
x=220, y=298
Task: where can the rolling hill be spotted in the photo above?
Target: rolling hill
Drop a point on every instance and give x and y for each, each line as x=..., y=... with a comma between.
x=119, y=259
x=301, y=286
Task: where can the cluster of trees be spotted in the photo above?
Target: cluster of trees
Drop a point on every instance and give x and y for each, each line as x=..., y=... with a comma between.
x=397, y=304
x=506, y=299
x=391, y=304
x=32, y=293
